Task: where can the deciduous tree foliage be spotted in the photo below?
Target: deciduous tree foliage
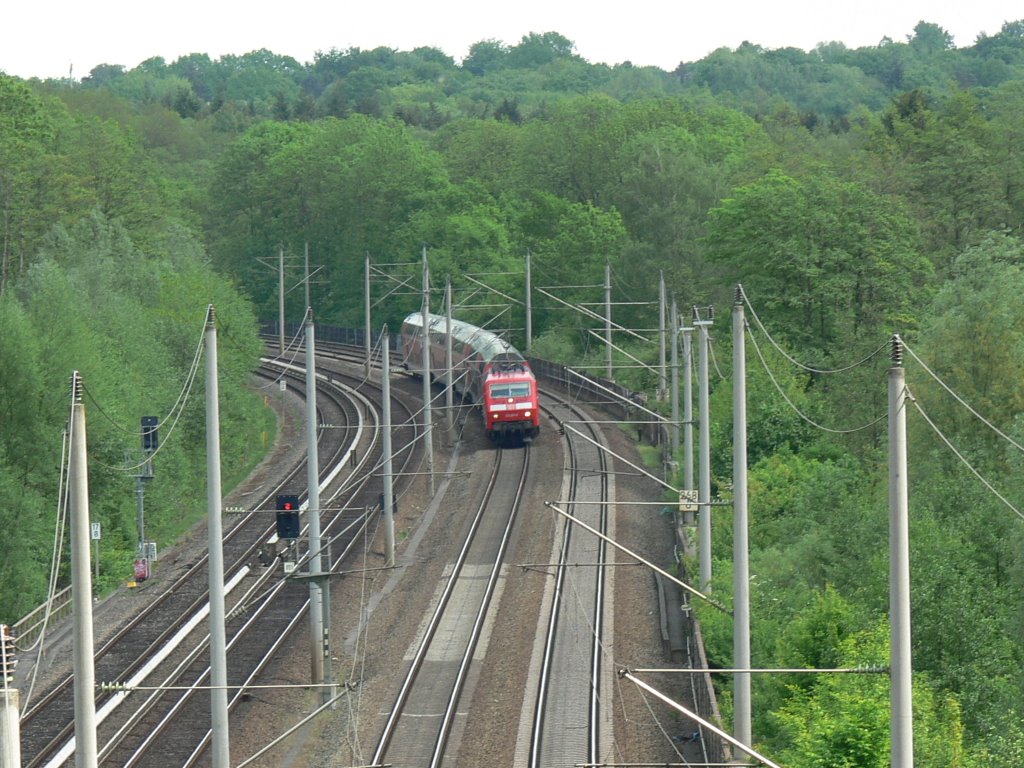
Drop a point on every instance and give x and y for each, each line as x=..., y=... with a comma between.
x=131, y=324
x=843, y=722
x=845, y=188
x=26, y=133
x=973, y=339
x=832, y=261
x=950, y=174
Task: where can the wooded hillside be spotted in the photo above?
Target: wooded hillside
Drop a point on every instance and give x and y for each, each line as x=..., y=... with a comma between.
x=855, y=193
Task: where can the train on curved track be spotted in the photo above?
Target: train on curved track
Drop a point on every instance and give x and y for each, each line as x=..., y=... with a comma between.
x=485, y=369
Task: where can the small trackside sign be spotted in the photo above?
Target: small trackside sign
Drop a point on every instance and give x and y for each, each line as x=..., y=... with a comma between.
x=687, y=501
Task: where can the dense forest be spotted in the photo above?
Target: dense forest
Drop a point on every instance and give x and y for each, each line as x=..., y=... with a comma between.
x=854, y=193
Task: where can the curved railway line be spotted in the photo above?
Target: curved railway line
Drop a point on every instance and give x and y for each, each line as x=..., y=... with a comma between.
x=134, y=726
x=47, y=724
x=568, y=725
x=418, y=729
x=347, y=511
x=567, y=716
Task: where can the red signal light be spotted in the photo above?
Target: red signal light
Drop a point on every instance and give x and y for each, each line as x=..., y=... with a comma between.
x=288, y=516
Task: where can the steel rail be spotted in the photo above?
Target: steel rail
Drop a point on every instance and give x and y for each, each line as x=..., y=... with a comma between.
x=435, y=621
x=173, y=591
x=355, y=482
x=197, y=606
x=537, y=757
x=492, y=583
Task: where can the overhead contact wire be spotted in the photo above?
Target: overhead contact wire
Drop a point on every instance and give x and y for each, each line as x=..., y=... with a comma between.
x=793, y=360
x=962, y=402
x=963, y=459
x=796, y=410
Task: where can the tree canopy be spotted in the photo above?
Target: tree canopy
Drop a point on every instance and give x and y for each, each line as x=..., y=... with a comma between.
x=853, y=193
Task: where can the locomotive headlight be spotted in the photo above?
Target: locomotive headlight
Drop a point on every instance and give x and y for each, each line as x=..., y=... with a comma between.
x=527, y=414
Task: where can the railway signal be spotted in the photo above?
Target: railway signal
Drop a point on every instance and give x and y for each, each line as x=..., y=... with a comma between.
x=150, y=433
x=288, y=516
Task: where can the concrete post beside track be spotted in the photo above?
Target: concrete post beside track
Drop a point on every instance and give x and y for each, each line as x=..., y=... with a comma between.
x=389, y=492
x=428, y=419
x=662, y=372
x=220, y=745
x=902, y=724
x=704, y=494
x=81, y=579
x=740, y=550
x=318, y=631
x=10, y=732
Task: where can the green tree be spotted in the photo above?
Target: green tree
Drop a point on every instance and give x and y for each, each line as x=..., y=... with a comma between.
x=361, y=92
x=241, y=225
x=113, y=174
x=930, y=38
x=843, y=722
x=570, y=243
x=964, y=564
x=130, y=323
x=974, y=341
x=942, y=164
x=486, y=56
x=205, y=76
x=273, y=188
x=20, y=386
x=103, y=75
x=1006, y=148
x=537, y=49
x=26, y=136
x=573, y=154
x=835, y=263
x=483, y=151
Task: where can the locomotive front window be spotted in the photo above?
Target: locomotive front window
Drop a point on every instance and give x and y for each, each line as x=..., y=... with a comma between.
x=510, y=390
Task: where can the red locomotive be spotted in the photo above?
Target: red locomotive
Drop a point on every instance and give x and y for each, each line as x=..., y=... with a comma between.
x=485, y=368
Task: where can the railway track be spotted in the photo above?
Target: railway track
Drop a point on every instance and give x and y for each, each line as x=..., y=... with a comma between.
x=563, y=720
x=421, y=722
x=347, y=510
x=568, y=725
x=140, y=724
x=48, y=723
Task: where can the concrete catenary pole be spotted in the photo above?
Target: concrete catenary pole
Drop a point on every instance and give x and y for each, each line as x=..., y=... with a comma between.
x=529, y=307
x=674, y=338
x=10, y=725
x=688, y=408
x=10, y=729
x=221, y=750
x=428, y=420
x=280, y=300
x=389, y=488
x=902, y=725
x=318, y=640
x=662, y=373
x=740, y=551
x=704, y=491
x=608, y=316
x=81, y=590
x=449, y=391
x=367, y=342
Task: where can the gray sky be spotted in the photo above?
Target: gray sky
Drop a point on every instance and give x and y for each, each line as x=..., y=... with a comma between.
x=40, y=39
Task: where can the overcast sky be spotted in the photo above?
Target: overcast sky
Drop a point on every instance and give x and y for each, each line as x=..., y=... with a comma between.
x=46, y=39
